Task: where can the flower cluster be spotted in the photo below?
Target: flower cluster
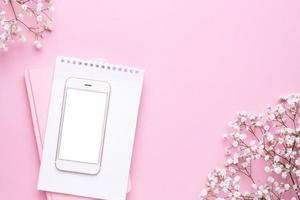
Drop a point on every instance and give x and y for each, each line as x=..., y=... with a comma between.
x=268, y=142
x=32, y=15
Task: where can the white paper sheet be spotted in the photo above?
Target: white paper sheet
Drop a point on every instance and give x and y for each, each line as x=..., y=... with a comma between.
x=126, y=87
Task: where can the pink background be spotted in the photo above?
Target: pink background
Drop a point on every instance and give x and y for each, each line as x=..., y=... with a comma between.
x=204, y=60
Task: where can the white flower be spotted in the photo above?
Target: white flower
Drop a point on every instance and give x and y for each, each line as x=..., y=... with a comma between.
x=24, y=6
x=297, y=139
x=287, y=186
x=237, y=178
x=39, y=5
x=259, y=124
x=252, y=142
x=276, y=159
x=51, y=8
x=245, y=164
x=236, y=194
x=284, y=175
x=280, y=140
x=237, y=187
x=281, y=110
x=277, y=169
x=23, y=39
x=203, y=193
x=243, y=136
x=229, y=161
x=38, y=44
x=297, y=162
x=271, y=179
x=267, y=127
x=267, y=169
x=6, y=26
x=232, y=170
x=289, y=140
x=234, y=143
x=270, y=137
x=295, y=187
x=227, y=151
x=298, y=173
x=222, y=172
x=2, y=45
x=20, y=16
x=39, y=18
x=267, y=158
x=252, y=117
x=235, y=160
x=225, y=136
x=271, y=117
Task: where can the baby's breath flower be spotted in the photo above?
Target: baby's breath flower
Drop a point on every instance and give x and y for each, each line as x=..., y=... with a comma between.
x=273, y=138
x=38, y=23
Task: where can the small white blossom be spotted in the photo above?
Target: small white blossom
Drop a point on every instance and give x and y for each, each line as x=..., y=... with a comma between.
x=277, y=169
x=271, y=179
x=270, y=137
x=276, y=159
x=287, y=186
x=38, y=44
x=297, y=162
x=39, y=18
x=235, y=143
x=225, y=136
x=23, y=39
x=267, y=169
x=284, y=175
x=203, y=193
x=24, y=6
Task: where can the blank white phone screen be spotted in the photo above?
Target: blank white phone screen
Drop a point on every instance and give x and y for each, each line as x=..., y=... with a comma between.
x=82, y=126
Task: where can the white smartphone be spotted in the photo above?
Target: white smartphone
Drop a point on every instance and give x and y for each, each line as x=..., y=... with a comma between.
x=82, y=126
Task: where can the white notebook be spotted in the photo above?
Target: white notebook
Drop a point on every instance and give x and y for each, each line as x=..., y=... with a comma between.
x=112, y=180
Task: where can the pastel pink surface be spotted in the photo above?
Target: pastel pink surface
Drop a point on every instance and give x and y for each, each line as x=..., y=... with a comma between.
x=204, y=60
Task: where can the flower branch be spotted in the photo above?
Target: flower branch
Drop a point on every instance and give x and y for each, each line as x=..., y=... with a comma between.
x=270, y=141
x=33, y=15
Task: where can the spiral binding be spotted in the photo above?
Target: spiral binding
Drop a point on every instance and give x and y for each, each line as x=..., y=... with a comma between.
x=97, y=64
